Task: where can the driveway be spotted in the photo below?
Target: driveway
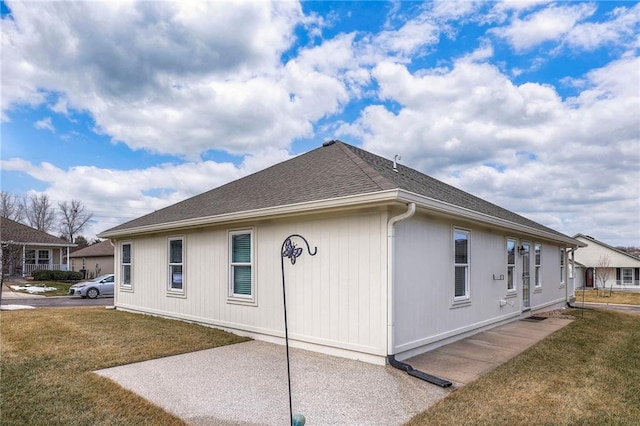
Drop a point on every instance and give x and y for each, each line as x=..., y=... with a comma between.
x=246, y=383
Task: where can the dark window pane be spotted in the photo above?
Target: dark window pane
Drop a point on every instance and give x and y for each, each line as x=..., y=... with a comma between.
x=511, y=252
x=461, y=248
x=241, y=250
x=126, y=274
x=176, y=277
x=242, y=280
x=461, y=277
x=126, y=253
x=175, y=251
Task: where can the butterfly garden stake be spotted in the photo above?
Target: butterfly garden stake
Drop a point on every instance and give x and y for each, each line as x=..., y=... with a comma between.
x=290, y=251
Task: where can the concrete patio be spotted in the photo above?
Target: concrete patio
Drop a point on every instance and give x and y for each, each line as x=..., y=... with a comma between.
x=246, y=383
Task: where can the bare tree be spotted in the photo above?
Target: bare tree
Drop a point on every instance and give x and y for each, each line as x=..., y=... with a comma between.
x=603, y=269
x=10, y=255
x=73, y=218
x=39, y=213
x=10, y=207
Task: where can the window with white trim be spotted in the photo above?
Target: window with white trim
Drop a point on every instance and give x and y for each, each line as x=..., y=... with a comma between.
x=561, y=266
x=125, y=265
x=241, y=281
x=538, y=265
x=176, y=265
x=511, y=265
x=461, y=264
x=37, y=257
x=627, y=276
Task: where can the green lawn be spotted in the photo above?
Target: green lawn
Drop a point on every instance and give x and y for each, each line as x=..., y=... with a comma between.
x=48, y=355
x=585, y=374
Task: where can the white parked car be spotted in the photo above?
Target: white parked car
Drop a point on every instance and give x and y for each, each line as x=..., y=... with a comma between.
x=99, y=286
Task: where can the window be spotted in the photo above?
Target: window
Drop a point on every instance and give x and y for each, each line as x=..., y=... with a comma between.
x=561, y=266
x=36, y=257
x=43, y=257
x=240, y=273
x=176, y=273
x=30, y=257
x=461, y=264
x=125, y=264
x=538, y=265
x=511, y=265
x=627, y=276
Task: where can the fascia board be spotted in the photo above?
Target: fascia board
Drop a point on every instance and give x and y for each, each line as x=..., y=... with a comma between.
x=450, y=209
x=27, y=243
x=333, y=204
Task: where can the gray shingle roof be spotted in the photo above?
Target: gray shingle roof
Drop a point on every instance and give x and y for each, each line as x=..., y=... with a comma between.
x=12, y=231
x=334, y=170
x=103, y=248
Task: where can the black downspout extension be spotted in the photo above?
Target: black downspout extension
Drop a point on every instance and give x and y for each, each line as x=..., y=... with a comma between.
x=417, y=373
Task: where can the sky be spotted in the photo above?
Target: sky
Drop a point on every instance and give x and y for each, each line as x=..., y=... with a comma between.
x=130, y=106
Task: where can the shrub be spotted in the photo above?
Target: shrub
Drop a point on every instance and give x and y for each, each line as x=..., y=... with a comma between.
x=47, y=275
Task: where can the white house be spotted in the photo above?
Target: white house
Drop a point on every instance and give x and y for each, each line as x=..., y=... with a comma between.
x=26, y=249
x=600, y=260
x=404, y=262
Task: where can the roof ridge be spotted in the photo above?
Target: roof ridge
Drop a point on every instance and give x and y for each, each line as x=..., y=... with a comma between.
x=376, y=177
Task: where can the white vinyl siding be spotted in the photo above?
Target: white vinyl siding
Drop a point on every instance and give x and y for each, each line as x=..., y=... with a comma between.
x=176, y=279
x=241, y=279
x=461, y=264
x=125, y=265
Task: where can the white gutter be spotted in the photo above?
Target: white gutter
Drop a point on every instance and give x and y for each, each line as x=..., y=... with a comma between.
x=468, y=214
x=374, y=198
x=411, y=209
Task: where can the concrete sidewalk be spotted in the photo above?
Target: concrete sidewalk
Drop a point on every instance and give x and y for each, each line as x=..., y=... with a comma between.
x=464, y=361
x=246, y=383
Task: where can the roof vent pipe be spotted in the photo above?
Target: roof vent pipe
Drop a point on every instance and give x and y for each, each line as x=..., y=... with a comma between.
x=396, y=158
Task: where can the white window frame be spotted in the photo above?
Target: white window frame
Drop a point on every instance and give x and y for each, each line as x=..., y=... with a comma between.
x=537, y=265
x=562, y=262
x=467, y=292
x=36, y=257
x=239, y=297
x=170, y=265
x=123, y=284
x=622, y=280
x=511, y=267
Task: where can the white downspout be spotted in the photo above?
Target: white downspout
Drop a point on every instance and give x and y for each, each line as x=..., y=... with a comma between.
x=24, y=260
x=411, y=209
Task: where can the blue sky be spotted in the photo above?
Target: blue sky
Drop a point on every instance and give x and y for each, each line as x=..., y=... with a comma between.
x=132, y=106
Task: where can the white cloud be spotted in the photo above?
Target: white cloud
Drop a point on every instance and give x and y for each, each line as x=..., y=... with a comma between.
x=570, y=164
x=116, y=196
x=45, y=123
x=548, y=24
x=171, y=77
x=619, y=30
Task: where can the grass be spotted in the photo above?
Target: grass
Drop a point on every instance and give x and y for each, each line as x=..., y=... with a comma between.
x=62, y=288
x=585, y=374
x=48, y=355
x=605, y=296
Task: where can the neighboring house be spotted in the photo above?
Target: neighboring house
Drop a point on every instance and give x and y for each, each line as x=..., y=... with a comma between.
x=93, y=260
x=623, y=271
x=404, y=262
x=25, y=249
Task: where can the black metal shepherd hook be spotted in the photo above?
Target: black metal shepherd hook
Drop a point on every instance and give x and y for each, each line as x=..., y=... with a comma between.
x=292, y=252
